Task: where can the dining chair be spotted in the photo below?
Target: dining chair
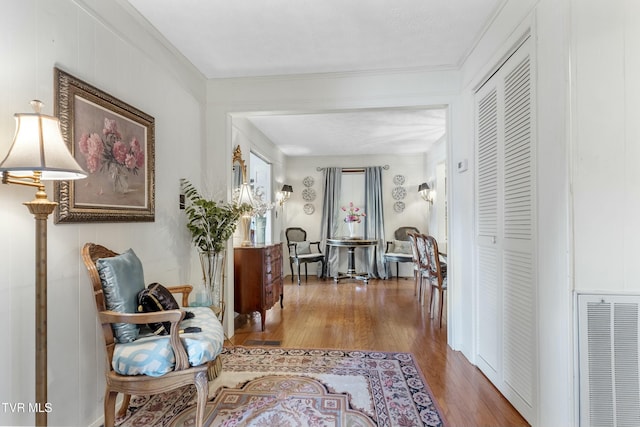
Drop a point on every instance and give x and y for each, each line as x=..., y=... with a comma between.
x=437, y=275
x=415, y=257
x=302, y=252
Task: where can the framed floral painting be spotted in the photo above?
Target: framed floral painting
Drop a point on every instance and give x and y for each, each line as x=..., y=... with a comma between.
x=114, y=144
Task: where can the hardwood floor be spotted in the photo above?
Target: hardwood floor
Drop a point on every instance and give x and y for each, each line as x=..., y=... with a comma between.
x=384, y=316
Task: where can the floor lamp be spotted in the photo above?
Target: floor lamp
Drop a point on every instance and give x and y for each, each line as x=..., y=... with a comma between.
x=39, y=153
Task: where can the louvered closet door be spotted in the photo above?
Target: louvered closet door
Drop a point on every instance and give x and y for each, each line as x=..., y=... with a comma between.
x=505, y=221
x=489, y=193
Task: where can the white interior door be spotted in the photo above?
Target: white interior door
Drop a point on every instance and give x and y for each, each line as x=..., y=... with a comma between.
x=505, y=224
x=489, y=243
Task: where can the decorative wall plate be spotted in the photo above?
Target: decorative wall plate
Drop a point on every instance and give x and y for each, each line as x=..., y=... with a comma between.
x=398, y=206
x=399, y=193
x=308, y=194
x=309, y=208
x=307, y=181
x=398, y=179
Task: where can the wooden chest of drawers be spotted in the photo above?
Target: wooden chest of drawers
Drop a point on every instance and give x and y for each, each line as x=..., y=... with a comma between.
x=257, y=272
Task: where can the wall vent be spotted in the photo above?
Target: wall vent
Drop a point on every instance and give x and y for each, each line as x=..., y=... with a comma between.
x=608, y=351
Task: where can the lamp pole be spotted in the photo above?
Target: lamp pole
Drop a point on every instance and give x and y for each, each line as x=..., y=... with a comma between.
x=41, y=208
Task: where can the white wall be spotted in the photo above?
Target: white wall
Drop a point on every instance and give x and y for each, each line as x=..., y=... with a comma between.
x=121, y=59
x=415, y=213
x=606, y=147
x=436, y=175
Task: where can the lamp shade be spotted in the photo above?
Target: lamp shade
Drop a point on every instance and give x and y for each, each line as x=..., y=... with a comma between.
x=423, y=187
x=38, y=146
x=245, y=197
x=287, y=189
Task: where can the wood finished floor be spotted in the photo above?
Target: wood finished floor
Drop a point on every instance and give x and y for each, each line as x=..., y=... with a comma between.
x=384, y=316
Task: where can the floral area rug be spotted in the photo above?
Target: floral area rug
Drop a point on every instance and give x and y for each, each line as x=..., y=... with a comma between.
x=280, y=387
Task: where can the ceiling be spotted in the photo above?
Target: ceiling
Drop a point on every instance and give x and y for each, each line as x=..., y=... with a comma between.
x=245, y=38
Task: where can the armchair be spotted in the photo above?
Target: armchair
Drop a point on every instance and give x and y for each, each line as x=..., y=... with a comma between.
x=190, y=358
x=301, y=251
x=399, y=250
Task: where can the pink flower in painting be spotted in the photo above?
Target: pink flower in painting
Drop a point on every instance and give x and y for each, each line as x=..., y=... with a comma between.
x=83, y=143
x=120, y=151
x=135, y=145
x=139, y=159
x=95, y=146
x=111, y=153
x=93, y=163
x=130, y=161
x=136, y=150
x=111, y=128
x=92, y=147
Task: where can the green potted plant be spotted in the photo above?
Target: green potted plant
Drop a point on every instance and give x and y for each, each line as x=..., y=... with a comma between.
x=211, y=224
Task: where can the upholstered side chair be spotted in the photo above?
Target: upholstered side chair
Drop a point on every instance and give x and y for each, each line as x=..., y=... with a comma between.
x=399, y=250
x=302, y=252
x=180, y=371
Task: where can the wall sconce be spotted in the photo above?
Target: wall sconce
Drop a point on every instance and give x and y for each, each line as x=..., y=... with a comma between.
x=283, y=195
x=39, y=153
x=426, y=193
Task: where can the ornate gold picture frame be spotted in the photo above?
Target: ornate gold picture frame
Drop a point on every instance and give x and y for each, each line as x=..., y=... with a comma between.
x=115, y=144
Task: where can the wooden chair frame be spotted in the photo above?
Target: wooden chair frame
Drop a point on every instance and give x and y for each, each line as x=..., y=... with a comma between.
x=433, y=270
x=437, y=275
x=183, y=374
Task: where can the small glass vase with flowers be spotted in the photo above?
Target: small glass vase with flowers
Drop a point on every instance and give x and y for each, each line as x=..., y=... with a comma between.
x=354, y=216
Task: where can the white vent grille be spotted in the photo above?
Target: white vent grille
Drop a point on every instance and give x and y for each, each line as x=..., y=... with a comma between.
x=609, y=362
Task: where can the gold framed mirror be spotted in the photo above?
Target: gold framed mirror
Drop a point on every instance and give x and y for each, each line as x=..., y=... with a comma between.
x=239, y=168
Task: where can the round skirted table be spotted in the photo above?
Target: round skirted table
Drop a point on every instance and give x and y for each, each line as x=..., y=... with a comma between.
x=351, y=244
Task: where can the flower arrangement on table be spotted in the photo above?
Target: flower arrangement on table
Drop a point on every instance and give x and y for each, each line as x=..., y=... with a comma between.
x=354, y=214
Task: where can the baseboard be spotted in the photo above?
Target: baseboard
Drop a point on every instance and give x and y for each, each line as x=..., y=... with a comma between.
x=100, y=421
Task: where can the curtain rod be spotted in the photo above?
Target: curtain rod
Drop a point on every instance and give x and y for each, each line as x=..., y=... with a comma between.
x=354, y=169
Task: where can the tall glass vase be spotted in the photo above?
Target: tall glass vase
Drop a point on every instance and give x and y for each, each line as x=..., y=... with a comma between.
x=211, y=293
x=352, y=229
x=261, y=225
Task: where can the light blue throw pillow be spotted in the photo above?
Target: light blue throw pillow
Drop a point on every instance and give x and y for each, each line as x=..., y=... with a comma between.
x=401, y=247
x=122, y=278
x=303, y=248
